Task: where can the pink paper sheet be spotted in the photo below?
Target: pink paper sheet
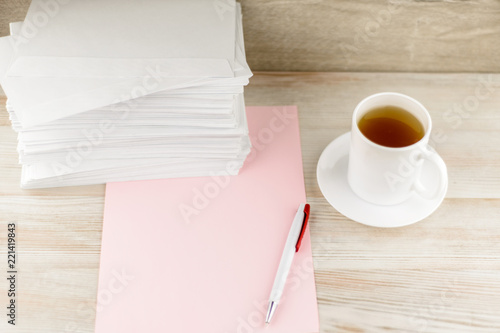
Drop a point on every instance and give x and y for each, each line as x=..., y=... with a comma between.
x=199, y=255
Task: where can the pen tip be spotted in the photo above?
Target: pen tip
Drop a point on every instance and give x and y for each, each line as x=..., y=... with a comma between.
x=270, y=311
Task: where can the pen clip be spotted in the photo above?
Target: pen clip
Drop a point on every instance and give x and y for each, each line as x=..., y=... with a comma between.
x=304, y=226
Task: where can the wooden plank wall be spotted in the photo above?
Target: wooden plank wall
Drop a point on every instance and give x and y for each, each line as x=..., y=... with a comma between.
x=359, y=35
x=373, y=35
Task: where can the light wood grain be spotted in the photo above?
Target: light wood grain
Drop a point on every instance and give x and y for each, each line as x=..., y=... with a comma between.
x=363, y=35
x=439, y=275
x=396, y=35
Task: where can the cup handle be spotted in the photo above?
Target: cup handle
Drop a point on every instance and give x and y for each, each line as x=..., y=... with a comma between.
x=430, y=155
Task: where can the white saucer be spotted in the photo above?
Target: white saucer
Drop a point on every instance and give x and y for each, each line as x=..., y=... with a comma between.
x=332, y=180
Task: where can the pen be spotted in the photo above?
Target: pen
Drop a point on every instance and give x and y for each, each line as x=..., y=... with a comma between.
x=292, y=245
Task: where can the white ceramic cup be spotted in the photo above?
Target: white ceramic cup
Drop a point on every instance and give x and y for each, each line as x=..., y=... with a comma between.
x=388, y=176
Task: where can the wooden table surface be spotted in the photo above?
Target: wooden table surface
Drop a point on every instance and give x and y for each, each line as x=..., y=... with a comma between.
x=439, y=275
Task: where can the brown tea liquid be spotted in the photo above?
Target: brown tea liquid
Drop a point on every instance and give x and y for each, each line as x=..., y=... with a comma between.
x=391, y=126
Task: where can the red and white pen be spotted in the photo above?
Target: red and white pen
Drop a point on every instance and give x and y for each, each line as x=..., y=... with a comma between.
x=292, y=245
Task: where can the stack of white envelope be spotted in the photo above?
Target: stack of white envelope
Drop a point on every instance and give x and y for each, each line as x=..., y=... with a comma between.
x=114, y=90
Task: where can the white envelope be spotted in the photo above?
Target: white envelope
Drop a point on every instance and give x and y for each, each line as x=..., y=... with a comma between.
x=65, y=67
x=15, y=28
